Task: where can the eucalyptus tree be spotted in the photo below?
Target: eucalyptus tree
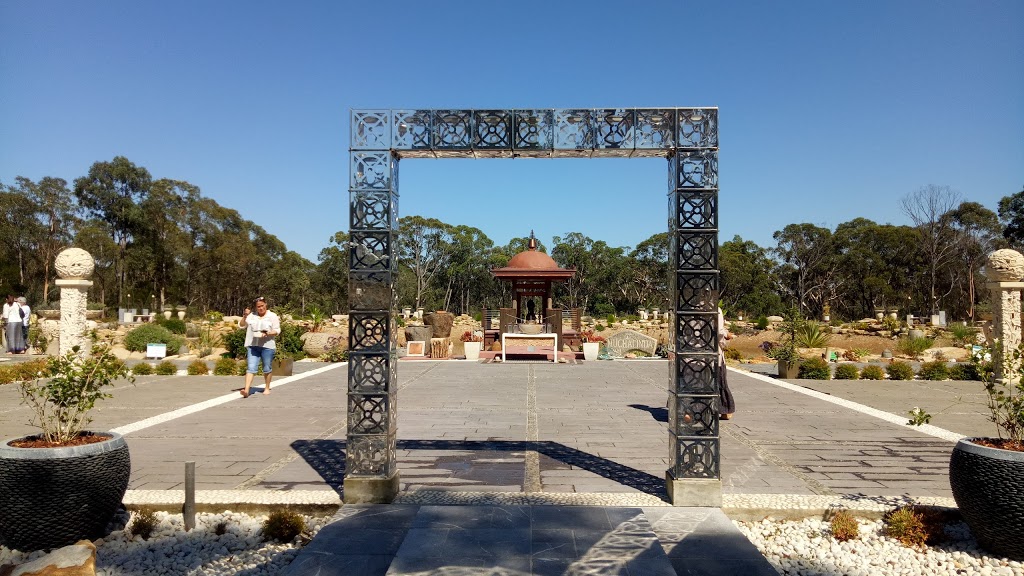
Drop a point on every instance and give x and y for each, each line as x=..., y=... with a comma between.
x=1011, y=216
x=425, y=248
x=928, y=209
x=164, y=209
x=53, y=225
x=467, y=275
x=649, y=273
x=330, y=280
x=748, y=283
x=976, y=230
x=598, y=270
x=111, y=192
x=16, y=211
x=808, y=267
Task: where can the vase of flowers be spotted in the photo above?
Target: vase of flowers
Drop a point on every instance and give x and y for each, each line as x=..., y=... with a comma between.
x=472, y=343
x=591, y=344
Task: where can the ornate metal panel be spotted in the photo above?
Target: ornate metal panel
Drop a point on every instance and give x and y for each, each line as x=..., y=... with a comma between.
x=453, y=130
x=412, y=130
x=370, y=455
x=574, y=133
x=371, y=251
x=691, y=415
x=697, y=292
x=371, y=129
x=696, y=251
x=693, y=210
x=534, y=133
x=614, y=131
x=695, y=374
x=696, y=332
x=655, y=129
x=697, y=169
x=694, y=457
x=698, y=127
x=373, y=210
x=373, y=171
x=372, y=290
x=373, y=373
x=372, y=413
x=371, y=332
x=492, y=129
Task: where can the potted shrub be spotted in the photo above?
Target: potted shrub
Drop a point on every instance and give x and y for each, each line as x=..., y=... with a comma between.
x=785, y=352
x=65, y=483
x=986, y=475
x=591, y=344
x=472, y=342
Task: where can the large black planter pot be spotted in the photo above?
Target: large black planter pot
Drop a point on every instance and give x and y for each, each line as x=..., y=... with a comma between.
x=52, y=497
x=988, y=486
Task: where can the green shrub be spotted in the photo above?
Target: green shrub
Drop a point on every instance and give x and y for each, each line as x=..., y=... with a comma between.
x=234, y=342
x=913, y=347
x=214, y=316
x=762, y=323
x=900, y=371
x=143, y=523
x=936, y=370
x=335, y=354
x=175, y=325
x=137, y=339
x=289, y=341
x=732, y=354
x=891, y=324
x=241, y=367
x=847, y=372
x=142, y=369
x=166, y=368
x=962, y=333
x=964, y=371
x=906, y=525
x=810, y=335
x=192, y=331
x=844, y=526
x=198, y=368
x=599, y=327
x=283, y=526
x=611, y=319
x=814, y=369
x=22, y=371
x=225, y=367
x=872, y=372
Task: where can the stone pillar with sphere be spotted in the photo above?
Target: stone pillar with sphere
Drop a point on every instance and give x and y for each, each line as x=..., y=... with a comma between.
x=1005, y=271
x=74, y=267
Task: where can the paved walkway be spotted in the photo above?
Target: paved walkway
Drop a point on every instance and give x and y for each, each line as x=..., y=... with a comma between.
x=595, y=432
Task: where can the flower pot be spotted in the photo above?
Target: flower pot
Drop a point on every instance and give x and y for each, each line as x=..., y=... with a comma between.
x=591, y=350
x=988, y=486
x=473, y=350
x=53, y=497
x=282, y=366
x=167, y=314
x=789, y=370
x=181, y=315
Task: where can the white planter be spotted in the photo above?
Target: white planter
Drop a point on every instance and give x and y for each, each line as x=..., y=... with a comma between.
x=473, y=350
x=591, y=350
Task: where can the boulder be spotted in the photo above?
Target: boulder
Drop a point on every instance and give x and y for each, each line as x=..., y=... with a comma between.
x=78, y=559
x=441, y=322
x=318, y=343
x=775, y=319
x=418, y=333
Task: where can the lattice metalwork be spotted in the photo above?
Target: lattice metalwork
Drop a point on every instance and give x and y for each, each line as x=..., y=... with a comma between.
x=687, y=137
x=696, y=374
x=373, y=210
x=693, y=415
x=694, y=457
x=371, y=455
x=372, y=413
x=374, y=373
x=693, y=210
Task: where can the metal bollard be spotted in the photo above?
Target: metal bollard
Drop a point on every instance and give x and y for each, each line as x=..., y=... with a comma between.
x=188, y=510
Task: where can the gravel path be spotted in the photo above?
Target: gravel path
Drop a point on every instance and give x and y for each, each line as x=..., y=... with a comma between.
x=806, y=548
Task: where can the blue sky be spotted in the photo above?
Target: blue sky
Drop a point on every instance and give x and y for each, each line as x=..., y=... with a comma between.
x=828, y=110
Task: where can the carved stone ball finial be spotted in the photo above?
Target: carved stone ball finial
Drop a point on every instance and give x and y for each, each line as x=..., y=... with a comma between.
x=1005, y=266
x=74, y=263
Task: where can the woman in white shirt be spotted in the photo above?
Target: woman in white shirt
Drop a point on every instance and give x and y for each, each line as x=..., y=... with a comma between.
x=15, y=322
x=261, y=327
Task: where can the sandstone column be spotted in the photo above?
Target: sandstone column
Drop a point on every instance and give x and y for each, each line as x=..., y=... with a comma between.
x=74, y=266
x=1005, y=269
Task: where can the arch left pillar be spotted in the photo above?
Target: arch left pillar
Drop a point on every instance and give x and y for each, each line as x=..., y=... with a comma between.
x=371, y=471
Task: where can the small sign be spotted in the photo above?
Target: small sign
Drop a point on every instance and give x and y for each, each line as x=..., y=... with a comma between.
x=156, y=350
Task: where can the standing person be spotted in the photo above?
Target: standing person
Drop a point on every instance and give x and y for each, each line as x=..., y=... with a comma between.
x=727, y=405
x=261, y=327
x=15, y=323
x=3, y=319
x=26, y=316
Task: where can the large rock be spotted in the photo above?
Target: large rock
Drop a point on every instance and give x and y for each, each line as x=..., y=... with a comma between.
x=78, y=559
x=418, y=333
x=441, y=321
x=628, y=340
x=318, y=343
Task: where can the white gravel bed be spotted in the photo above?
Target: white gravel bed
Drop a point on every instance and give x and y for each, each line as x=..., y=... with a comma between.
x=807, y=548
x=171, y=550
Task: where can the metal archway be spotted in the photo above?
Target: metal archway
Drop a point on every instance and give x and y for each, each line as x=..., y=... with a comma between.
x=687, y=137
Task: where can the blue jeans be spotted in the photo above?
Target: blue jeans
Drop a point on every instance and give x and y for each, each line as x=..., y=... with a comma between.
x=253, y=355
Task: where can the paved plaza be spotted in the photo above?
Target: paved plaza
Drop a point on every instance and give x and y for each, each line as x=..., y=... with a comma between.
x=518, y=440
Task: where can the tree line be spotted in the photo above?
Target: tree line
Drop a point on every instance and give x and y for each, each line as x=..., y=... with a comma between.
x=160, y=242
